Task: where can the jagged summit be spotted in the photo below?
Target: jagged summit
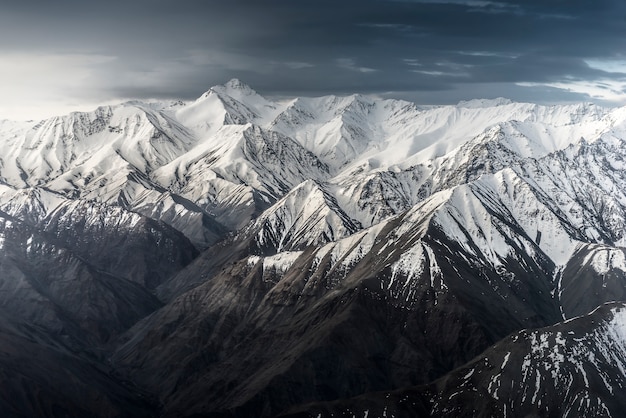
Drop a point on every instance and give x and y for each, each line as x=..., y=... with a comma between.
x=234, y=88
x=483, y=103
x=235, y=85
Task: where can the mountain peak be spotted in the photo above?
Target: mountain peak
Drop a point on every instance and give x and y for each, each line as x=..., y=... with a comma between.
x=235, y=83
x=484, y=103
x=234, y=87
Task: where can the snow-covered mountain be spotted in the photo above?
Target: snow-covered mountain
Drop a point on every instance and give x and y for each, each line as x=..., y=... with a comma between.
x=272, y=253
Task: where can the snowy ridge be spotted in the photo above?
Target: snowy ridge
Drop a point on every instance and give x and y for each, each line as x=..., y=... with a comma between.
x=306, y=216
x=225, y=152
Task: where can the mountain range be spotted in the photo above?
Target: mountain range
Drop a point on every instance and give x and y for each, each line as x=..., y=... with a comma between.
x=237, y=256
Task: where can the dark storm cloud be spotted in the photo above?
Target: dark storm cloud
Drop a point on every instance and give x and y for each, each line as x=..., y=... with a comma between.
x=156, y=48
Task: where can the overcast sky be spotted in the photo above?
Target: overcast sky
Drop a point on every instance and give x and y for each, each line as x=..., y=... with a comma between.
x=64, y=55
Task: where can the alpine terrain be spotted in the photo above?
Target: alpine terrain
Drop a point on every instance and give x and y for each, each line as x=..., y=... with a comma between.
x=236, y=256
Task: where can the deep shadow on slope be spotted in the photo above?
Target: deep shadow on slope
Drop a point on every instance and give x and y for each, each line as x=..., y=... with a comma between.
x=570, y=369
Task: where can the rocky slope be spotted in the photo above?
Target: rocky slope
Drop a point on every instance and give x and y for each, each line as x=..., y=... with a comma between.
x=572, y=369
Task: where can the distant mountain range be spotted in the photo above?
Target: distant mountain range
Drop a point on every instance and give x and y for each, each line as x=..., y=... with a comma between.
x=236, y=256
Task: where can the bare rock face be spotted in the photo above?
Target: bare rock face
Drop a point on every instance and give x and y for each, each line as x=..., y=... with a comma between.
x=41, y=377
x=568, y=369
x=334, y=256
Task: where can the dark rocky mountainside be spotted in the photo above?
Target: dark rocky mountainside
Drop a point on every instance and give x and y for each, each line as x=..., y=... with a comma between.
x=572, y=369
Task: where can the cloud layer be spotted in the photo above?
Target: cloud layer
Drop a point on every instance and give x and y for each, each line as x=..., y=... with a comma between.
x=71, y=52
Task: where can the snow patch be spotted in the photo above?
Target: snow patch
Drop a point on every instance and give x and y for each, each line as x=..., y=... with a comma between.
x=281, y=262
x=605, y=259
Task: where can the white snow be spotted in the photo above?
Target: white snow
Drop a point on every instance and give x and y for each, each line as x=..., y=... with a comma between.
x=410, y=264
x=604, y=259
x=281, y=262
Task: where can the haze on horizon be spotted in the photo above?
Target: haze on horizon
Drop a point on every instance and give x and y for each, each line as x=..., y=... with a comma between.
x=70, y=55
